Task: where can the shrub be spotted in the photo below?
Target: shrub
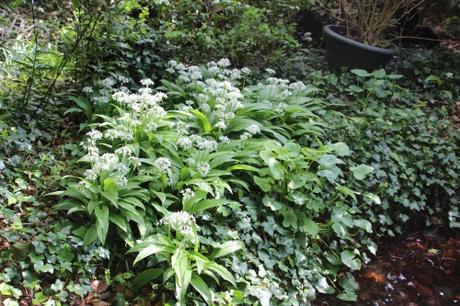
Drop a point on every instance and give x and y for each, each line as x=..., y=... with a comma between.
x=232, y=156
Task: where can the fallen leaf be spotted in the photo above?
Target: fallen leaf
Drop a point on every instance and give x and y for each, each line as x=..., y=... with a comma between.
x=98, y=286
x=423, y=290
x=374, y=276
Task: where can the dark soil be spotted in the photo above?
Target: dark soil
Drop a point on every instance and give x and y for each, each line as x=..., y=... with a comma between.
x=422, y=269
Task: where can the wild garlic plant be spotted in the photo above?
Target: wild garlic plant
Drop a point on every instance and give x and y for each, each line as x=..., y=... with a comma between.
x=172, y=156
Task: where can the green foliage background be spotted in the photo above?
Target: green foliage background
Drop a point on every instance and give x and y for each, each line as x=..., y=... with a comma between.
x=287, y=209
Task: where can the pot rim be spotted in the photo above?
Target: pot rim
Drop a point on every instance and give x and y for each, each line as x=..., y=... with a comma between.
x=328, y=29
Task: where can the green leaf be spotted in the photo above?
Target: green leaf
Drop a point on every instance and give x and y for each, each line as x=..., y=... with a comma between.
x=360, y=72
x=310, y=227
x=340, y=148
x=227, y=248
x=203, y=121
x=348, y=258
x=200, y=286
x=146, y=276
x=222, y=272
x=289, y=218
x=90, y=235
x=360, y=172
x=206, y=204
x=379, y=74
x=149, y=250
x=102, y=222
x=329, y=160
x=263, y=183
x=110, y=191
x=183, y=272
x=330, y=175
x=243, y=167
x=119, y=221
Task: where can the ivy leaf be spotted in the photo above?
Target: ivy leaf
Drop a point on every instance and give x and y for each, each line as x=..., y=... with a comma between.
x=360, y=172
x=329, y=160
x=289, y=218
x=348, y=259
x=263, y=183
x=360, y=72
x=323, y=287
x=310, y=227
x=340, y=148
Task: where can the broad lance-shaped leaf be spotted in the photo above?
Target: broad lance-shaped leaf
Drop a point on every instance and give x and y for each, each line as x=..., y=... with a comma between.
x=227, y=248
x=146, y=276
x=182, y=271
x=205, y=204
x=222, y=272
x=200, y=286
x=102, y=222
x=90, y=235
x=150, y=250
x=202, y=120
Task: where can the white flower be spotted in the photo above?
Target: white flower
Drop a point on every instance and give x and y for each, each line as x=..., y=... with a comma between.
x=87, y=89
x=245, y=70
x=449, y=75
x=203, y=168
x=101, y=100
x=122, y=79
x=187, y=193
x=253, y=129
x=147, y=82
x=245, y=136
x=183, y=223
x=107, y=82
x=163, y=164
x=2, y=165
x=224, y=139
x=184, y=143
x=208, y=145
x=124, y=151
x=270, y=71
x=221, y=125
x=135, y=161
x=94, y=134
x=307, y=37
x=225, y=62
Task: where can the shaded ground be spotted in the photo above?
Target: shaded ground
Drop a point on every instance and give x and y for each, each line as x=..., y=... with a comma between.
x=423, y=269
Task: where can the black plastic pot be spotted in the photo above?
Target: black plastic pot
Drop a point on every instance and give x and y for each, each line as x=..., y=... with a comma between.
x=342, y=51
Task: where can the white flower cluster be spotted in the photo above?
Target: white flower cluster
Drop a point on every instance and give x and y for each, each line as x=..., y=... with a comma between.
x=251, y=130
x=187, y=142
x=187, y=193
x=142, y=109
x=216, y=95
x=163, y=164
x=219, y=70
x=111, y=164
x=116, y=164
x=282, y=88
x=183, y=223
x=203, y=168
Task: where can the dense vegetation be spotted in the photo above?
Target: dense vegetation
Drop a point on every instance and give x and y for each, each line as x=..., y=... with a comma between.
x=201, y=152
